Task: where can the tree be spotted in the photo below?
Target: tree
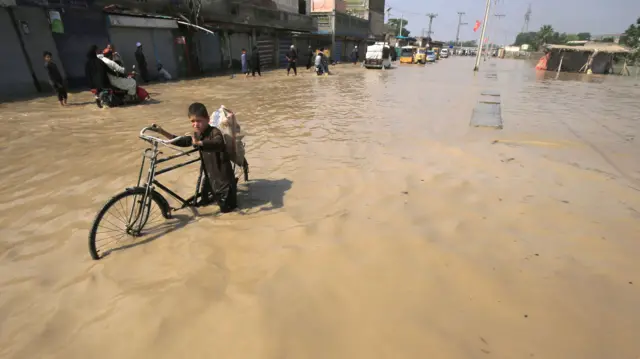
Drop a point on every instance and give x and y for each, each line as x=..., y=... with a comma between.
x=584, y=36
x=544, y=34
x=631, y=39
x=526, y=38
x=395, y=24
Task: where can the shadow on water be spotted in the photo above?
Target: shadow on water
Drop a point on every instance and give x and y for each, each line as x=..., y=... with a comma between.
x=262, y=195
x=255, y=196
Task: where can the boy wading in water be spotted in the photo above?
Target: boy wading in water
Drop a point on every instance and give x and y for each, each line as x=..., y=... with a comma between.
x=220, y=179
x=55, y=78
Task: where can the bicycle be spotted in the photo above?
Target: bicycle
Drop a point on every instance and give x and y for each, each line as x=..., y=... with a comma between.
x=144, y=196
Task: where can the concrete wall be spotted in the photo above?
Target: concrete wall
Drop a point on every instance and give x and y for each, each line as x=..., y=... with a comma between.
x=82, y=29
x=37, y=41
x=328, y=5
x=15, y=74
x=210, y=56
x=287, y=5
x=157, y=45
x=376, y=23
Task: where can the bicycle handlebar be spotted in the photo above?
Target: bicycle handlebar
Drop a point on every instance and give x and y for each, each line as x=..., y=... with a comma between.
x=156, y=139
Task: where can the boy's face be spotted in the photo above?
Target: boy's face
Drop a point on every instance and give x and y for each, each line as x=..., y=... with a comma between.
x=199, y=123
x=47, y=58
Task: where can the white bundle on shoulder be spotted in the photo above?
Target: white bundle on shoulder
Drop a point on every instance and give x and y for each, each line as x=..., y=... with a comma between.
x=225, y=120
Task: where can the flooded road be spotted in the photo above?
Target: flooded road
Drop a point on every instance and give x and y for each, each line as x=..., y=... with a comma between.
x=377, y=224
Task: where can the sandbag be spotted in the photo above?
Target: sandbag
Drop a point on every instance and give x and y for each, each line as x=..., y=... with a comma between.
x=225, y=120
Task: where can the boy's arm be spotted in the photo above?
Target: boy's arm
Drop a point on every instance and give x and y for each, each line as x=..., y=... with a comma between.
x=184, y=141
x=215, y=144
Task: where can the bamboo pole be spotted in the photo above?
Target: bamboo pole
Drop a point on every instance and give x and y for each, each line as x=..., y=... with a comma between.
x=560, y=66
x=625, y=68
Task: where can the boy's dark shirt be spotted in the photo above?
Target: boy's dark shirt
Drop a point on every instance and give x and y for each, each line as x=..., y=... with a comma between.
x=214, y=156
x=55, y=78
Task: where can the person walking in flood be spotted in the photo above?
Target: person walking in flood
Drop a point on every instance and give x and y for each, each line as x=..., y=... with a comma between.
x=55, y=78
x=244, y=62
x=310, y=58
x=220, y=178
x=292, y=58
x=355, y=55
x=255, y=61
x=142, y=63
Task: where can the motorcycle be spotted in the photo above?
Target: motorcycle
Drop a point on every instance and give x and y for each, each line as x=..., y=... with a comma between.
x=114, y=97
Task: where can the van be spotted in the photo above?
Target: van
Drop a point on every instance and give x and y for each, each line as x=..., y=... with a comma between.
x=444, y=53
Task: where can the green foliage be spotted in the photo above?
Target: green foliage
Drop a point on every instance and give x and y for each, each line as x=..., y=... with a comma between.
x=395, y=24
x=584, y=36
x=631, y=39
x=546, y=35
x=526, y=38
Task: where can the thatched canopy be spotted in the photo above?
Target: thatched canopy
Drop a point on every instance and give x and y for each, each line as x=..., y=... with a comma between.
x=592, y=47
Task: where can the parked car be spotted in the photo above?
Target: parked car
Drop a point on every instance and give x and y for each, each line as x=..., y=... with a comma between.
x=431, y=56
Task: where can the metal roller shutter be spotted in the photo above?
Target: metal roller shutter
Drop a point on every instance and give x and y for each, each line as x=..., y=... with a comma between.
x=337, y=51
x=266, y=50
x=284, y=44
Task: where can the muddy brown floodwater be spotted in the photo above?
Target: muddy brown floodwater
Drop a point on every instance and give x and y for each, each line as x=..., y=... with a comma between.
x=377, y=224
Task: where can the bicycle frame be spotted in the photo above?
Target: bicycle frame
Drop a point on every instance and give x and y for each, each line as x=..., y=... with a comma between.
x=151, y=182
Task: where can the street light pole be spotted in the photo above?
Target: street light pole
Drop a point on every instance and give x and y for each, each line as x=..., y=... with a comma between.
x=499, y=16
x=400, y=26
x=484, y=28
x=460, y=13
x=431, y=16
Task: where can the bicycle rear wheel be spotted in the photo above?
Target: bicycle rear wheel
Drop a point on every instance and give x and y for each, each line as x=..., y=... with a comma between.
x=124, y=218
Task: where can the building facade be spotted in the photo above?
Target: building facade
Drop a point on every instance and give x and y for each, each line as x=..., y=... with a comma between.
x=68, y=28
x=344, y=30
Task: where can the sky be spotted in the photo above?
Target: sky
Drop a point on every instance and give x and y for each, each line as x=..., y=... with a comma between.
x=598, y=17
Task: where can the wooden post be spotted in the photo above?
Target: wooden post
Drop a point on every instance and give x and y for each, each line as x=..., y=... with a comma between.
x=625, y=68
x=560, y=66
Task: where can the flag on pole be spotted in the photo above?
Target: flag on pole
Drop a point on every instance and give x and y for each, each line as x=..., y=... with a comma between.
x=477, y=26
x=486, y=39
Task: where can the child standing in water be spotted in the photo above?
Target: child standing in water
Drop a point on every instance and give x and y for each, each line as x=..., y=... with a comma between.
x=245, y=64
x=55, y=78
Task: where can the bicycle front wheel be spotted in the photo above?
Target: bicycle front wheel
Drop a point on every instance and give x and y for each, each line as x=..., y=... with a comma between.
x=125, y=217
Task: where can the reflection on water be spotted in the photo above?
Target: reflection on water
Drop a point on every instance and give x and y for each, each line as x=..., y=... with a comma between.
x=378, y=223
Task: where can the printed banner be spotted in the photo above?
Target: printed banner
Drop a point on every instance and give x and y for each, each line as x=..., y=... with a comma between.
x=56, y=22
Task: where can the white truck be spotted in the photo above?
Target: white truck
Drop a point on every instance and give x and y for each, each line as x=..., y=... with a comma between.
x=378, y=56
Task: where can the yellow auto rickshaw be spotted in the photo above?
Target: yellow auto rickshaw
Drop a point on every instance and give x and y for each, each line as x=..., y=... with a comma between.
x=436, y=51
x=421, y=56
x=407, y=54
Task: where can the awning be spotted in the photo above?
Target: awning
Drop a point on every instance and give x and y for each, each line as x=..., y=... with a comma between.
x=143, y=22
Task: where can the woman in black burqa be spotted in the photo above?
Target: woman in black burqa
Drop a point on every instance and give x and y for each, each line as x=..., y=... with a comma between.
x=255, y=61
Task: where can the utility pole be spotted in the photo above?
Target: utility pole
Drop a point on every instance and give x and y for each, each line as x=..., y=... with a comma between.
x=499, y=16
x=460, y=13
x=484, y=28
x=387, y=36
x=431, y=16
x=333, y=33
x=400, y=25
